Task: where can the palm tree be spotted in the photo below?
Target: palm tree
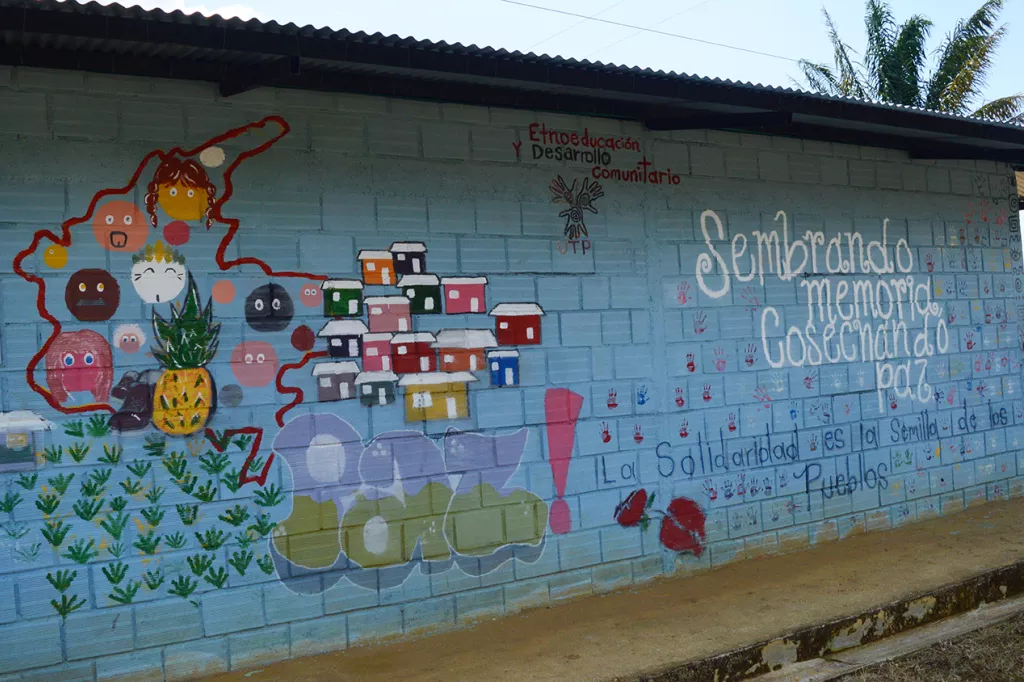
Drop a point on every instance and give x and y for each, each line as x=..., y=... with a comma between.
x=894, y=62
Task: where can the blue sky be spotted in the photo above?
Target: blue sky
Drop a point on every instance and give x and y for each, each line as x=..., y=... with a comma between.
x=789, y=28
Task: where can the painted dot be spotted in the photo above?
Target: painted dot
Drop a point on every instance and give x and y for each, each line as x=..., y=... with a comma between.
x=223, y=292
x=325, y=458
x=176, y=233
x=375, y=535
x=55, y=256
x=303, y=339
x=211, y=157
x=310, y=295
x=231, y=395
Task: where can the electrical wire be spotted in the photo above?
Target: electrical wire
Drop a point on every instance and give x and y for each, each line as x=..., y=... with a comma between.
x=578, y=23
x=636, y=33
x=651, y=30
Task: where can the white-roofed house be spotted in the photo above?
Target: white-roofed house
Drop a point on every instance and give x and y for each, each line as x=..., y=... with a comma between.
x=517, y=324
x=410, y=258
x=20, y=439
x=335, y=380
x=377, y=352
x=504, y=367
x=412, y=353
x=462, y=350
x=343, y=297
x=344, y=338
x=436, y=395
x=464, y=294
x=388, y=313
x=378, y=267
x=423, y=292
x=376, y=388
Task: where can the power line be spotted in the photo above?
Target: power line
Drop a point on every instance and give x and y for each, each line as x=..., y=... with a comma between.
x=651, y=30
x=569, y=28
x=636, y=33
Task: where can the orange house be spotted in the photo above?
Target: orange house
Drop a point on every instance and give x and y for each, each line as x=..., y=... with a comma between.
x=462, y=350
x=378, y=267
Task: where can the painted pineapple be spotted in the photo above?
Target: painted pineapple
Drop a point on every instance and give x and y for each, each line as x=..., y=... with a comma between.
x=184, y=397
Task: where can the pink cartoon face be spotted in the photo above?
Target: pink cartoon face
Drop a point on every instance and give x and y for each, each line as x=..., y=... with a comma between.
x=310, y=295
x=77, y=362
x=120, y=226
x=254, y=363
x=129, y=338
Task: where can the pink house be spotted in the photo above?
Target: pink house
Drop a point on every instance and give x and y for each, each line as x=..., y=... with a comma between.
x=388, y=313
x=377, y=352
x=463, y=294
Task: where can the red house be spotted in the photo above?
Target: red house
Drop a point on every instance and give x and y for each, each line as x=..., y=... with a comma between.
x=463, y=350
x=517, y=324
x=388, y=313
x=464, y=294
x=377, y=352
x=413, y=353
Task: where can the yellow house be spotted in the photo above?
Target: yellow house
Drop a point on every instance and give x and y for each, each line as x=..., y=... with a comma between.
x=436, y=395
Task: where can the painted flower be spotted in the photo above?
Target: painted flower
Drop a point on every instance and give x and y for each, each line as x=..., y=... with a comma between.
x=632, y=511
x=682, y=527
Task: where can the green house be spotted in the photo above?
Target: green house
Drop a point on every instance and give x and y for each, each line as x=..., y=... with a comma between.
x=423, y=292
x=376, y=388
x=343, y=298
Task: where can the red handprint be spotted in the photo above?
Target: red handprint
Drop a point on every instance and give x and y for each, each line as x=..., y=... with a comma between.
x=613, y=400
x=969, y=337
x=809, y=379
x=683, y=293
x=707, y=393
x=750, y=355
x=732, y=421
x=699, y=322
x=638, y=434
x=721, y=359
x=691, y=366
x=606, y=435
x=680, y=400
x=684, y=431
x=709, y=489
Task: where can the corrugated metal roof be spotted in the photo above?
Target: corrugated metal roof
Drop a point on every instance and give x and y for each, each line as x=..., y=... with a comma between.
x=249, y=53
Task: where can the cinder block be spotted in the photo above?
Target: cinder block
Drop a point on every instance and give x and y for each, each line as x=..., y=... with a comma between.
x=193, y=660
x=166, y=622
x=479, y=605
x=429, y=614
x=258, y=647
x=38, y=644
x=98, y=633
x=144, y=666
x=374, y=624
x=232, y=610
x=321, y=635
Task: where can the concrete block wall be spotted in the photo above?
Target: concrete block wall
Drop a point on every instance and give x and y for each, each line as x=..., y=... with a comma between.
x=665, y=382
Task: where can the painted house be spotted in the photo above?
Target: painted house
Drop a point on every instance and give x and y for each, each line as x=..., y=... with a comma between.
x=464, y=294
x=462, y=350
x=504, y=367
x=436, y=395
x=423, y=292
x=377, y=388
x=517, y=324
x=388, y=313
x=21, y=436
x=343, y=297
x=335, y=381
x=410, y=258
x=411, y=353
x=377, y=352
x=344, y=338
x=378, y=267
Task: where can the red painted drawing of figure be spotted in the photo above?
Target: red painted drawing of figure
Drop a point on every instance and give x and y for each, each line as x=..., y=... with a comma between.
x=79, y=361
x=183, y=190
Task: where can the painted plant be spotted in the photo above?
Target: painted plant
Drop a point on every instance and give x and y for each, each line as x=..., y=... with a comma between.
x=682, y=522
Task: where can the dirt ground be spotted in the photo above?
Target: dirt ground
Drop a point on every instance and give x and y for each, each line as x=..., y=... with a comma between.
x=994, y=654
x=617, y=635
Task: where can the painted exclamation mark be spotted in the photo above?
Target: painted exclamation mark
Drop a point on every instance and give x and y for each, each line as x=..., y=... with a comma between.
x=562, y=409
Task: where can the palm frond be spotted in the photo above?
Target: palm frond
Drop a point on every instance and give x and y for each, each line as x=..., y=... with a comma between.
x=879, y=26
x=850, y=82
x=901, y=73
x=820, y=78
x=964, y=58
x=1009, y=109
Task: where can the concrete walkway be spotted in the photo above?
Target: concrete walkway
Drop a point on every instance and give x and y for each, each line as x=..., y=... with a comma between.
x=646, y=629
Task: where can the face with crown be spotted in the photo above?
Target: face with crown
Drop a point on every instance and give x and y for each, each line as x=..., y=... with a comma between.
x=158, y=273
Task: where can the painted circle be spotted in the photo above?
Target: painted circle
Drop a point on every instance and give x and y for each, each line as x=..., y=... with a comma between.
x=560, y=517
x=212, y=157
x=269, y=308
x=254, y=363
x=120, y=226
x=176, y=233
x=375, y=535
x=303, y=339
x=325, y=458
x=92, y=295
x=55, y=256
x=231, y=395
x=223, y=291
x=311, y=296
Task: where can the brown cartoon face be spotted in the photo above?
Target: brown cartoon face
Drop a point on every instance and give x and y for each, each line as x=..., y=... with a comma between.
x=92, y=295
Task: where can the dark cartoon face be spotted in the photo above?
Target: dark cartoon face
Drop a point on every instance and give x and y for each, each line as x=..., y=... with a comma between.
x=269, y=308
x=92, y=295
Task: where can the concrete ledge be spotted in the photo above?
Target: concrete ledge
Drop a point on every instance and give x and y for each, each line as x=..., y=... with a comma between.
x=818, y=641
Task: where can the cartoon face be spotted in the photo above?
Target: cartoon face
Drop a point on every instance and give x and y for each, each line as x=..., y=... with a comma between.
x=55, y=256
x=92, y=295
x=310, y=296
x=79, y=361
x=129, y=338
x=254, y=363
x=183, y=190
x=158, y=280
x=182, y=202
x=119, y=226
x=269, y=308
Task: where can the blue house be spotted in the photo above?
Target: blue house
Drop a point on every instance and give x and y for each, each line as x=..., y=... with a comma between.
x=504, y=365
